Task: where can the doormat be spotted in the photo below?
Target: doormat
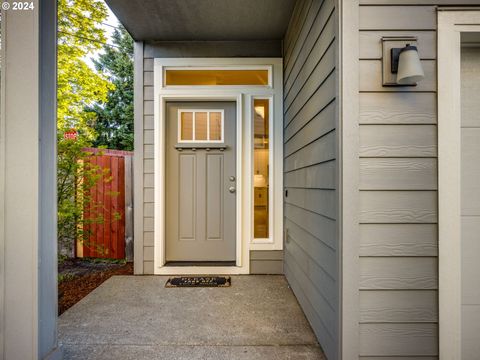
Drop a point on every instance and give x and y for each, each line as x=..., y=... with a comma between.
x=199, y=281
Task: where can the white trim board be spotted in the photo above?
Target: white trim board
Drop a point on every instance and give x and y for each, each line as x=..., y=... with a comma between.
x=450, y=26
x=243, y=96
x=348, y=136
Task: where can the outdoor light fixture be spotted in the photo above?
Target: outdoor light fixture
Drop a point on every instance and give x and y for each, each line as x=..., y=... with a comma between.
x=401, y=62
x=408, y=67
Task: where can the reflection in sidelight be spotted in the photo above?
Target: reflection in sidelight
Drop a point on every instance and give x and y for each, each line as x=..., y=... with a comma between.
x=261, y=168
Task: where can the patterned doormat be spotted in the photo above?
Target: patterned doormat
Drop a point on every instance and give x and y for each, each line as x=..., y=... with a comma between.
x=199, y=281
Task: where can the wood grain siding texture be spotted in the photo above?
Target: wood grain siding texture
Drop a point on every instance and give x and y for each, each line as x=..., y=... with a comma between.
x=310, y=166
x=398, y=189
x=266, y=262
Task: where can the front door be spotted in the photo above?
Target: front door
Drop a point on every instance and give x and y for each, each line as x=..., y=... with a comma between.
x=200, y=181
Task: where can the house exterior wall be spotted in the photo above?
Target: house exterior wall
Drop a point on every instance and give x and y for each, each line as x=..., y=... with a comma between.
x=310, y=167
x=398, y=187
x=262, y=262
x=398, y=191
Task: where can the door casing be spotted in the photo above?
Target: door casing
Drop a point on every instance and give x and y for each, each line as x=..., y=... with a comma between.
x=243, y=96
x=451, y=23
x=242, y=253
x=199, y=247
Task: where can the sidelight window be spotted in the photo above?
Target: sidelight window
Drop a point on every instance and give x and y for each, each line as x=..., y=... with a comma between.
x=261, y=167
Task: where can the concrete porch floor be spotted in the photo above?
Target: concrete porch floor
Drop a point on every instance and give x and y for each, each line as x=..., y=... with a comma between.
x=136, y=317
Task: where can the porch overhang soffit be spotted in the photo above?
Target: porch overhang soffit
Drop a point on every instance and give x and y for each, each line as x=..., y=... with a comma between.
x=204, y=20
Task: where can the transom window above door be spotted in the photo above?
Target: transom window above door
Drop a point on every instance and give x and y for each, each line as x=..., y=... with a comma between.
x=246, y=76
x=202, y=126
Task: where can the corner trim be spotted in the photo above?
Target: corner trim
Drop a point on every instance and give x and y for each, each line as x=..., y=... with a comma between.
x=348, y=177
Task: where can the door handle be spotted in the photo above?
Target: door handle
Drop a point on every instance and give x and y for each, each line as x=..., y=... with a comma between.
x=231, y=189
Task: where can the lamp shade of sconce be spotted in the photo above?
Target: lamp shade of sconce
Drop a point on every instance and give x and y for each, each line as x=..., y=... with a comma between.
x=410, y=69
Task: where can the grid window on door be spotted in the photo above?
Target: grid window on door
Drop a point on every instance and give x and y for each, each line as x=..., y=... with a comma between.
x=202, y=126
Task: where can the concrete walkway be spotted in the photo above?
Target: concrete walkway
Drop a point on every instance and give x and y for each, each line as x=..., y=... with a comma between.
x=136, y=317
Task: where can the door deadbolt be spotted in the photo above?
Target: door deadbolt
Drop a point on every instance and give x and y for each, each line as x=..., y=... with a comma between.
x=231, y=189
x=232, y=178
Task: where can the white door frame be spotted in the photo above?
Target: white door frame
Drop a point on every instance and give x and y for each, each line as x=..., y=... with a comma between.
x=242, y=256
x=451, y=23
x=243, y=96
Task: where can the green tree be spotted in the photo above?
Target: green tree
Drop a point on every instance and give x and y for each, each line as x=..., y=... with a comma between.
x=114, y=117
x=77, y=174
x=79, y=35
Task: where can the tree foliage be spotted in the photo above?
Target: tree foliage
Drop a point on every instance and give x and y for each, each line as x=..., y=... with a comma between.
x=79, y=86
x=79, y=34
x=77, y=174
x=114, y=117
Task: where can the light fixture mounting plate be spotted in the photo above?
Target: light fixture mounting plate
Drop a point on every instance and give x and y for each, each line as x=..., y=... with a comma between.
x=391, y=47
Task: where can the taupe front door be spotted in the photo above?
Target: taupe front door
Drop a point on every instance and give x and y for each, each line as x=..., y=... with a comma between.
x=200, y=181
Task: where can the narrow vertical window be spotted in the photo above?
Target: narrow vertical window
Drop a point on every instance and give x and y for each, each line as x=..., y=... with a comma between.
x=261, y=155
x=215, y=126
x=201, y=129
x=187, y=126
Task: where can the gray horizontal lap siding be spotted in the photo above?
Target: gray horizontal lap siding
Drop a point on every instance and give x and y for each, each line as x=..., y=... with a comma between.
x=310, y=167
x=398, y=190
x=148, y=164
x=266, y=262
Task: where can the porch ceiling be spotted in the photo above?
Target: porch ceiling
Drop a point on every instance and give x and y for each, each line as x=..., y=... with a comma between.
x=179, y=20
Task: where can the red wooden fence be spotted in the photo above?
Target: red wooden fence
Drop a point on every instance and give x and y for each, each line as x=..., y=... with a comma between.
x=106, y=238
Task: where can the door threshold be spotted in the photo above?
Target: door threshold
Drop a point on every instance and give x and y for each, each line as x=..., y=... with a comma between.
x=200, y=263
x=193, y=268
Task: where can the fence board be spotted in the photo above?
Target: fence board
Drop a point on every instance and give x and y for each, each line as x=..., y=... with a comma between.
x=115, y=206
x=107, y=204
x=121, y=209
x=128, y=209
x=106, y=239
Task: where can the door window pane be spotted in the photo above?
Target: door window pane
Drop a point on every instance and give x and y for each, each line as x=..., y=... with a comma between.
x=215, y=126
x=261, y=182
x=201, y=126
x=186, y=132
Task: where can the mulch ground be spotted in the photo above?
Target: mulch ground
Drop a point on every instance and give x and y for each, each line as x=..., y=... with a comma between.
x=77, y=278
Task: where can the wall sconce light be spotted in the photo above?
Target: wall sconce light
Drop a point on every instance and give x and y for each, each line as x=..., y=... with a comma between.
x=401, y=62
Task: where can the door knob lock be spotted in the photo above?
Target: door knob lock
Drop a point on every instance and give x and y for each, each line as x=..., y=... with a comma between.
x=231, y=189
